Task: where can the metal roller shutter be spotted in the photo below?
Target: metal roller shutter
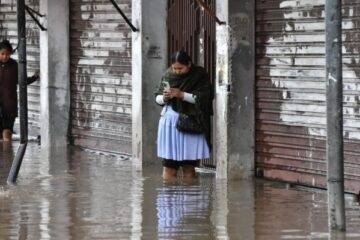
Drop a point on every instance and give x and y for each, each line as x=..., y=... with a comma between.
x=100, y=76
x=291, y=104
x=8, y=30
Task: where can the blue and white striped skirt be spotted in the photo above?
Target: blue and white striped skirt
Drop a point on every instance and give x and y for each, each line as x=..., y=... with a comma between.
x=176, y=145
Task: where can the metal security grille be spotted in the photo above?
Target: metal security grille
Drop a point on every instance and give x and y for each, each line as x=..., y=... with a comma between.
x=8, y=30
x=193, y=30
x=100, y=76
x=291, y=103
x=183, y=27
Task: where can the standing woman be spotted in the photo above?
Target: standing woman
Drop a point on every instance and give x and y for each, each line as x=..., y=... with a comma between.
x=8, y=90
x=185, y=94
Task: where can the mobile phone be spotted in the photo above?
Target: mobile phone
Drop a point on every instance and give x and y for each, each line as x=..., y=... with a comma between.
x=166, y=85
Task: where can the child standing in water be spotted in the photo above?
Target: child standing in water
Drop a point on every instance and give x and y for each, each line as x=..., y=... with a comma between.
x=8, y=90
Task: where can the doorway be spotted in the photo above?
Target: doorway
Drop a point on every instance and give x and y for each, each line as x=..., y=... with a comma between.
x=191, y=29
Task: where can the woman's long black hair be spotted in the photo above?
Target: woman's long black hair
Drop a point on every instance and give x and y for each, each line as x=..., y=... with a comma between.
x=181, y=57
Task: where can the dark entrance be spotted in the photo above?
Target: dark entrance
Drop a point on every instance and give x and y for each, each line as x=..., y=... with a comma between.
x=191, y=29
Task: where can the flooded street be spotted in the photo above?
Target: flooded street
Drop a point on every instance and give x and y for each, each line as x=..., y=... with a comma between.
x=79, y=195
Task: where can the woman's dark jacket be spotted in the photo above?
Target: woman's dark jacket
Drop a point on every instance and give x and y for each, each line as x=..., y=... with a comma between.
x=196, y=82
x=8, y=88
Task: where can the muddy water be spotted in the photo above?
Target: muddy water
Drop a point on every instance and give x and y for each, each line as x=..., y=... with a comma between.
x=79, y=195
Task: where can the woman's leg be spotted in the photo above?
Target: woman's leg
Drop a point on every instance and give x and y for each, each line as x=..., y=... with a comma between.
x=188, y=168
x=170, y=168
x=169, y=173
x=7, y=135
x=188, y=171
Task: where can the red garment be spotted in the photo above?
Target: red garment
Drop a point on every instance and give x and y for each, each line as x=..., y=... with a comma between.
x=8, y=88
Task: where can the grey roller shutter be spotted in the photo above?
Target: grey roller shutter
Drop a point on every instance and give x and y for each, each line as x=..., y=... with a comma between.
x=291, y=104
x=100, y=76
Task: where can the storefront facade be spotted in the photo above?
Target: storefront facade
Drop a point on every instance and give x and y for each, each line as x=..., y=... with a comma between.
x=268, y=70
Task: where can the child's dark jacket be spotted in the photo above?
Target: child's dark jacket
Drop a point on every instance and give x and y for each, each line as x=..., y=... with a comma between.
x=8, y=88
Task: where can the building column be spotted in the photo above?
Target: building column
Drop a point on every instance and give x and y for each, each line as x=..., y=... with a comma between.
x=235, y=90
x=149, y=60
x=55, y=73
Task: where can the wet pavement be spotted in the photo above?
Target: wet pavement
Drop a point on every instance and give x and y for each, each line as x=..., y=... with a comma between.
x=72, y=194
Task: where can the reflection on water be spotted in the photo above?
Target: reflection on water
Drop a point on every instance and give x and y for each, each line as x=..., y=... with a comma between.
x=183, y=210
x=6, y=156
x=71, y=194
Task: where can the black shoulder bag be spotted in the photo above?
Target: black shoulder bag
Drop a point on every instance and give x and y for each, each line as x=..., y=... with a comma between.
x=189, y=124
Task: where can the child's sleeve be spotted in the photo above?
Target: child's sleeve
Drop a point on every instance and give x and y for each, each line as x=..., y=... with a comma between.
x=30, y=80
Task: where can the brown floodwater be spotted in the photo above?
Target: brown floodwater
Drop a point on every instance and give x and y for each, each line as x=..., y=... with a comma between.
x=74, y=194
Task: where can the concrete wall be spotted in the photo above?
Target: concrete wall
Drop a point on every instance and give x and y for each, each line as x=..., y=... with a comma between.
x=55, y=73
x=235, y=90
x=149, y=62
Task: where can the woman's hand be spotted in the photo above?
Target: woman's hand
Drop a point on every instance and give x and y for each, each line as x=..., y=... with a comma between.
x=177, y=93
x=167, y=95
